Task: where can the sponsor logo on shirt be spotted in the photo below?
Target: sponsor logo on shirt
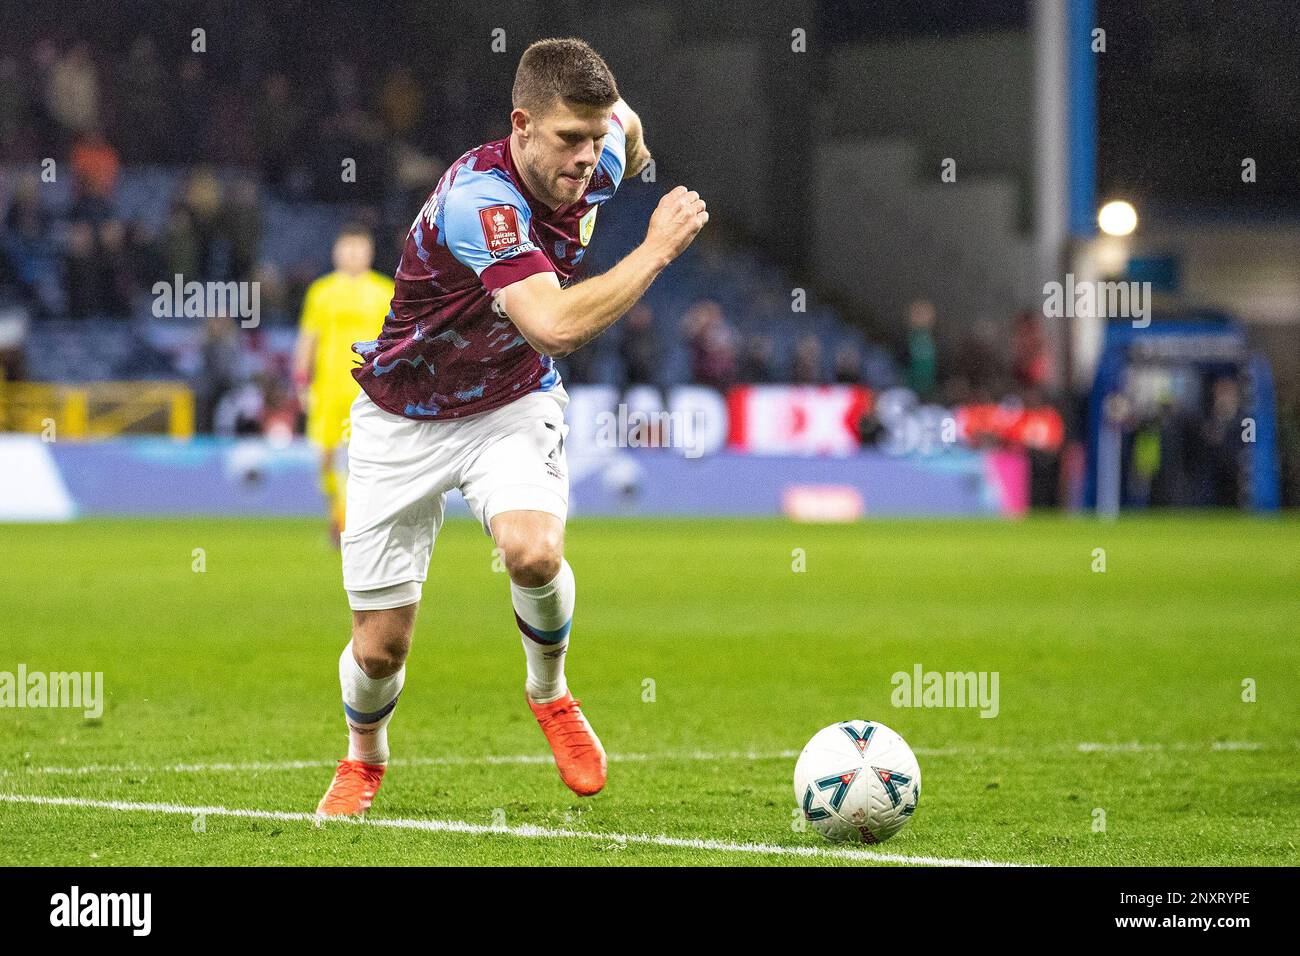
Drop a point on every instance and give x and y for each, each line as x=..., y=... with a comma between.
x=514, y=251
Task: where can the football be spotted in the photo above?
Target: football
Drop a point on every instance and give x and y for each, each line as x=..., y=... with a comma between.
x=857, y=781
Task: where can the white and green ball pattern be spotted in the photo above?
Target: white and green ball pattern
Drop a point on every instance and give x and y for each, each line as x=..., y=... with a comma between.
x=857, y=781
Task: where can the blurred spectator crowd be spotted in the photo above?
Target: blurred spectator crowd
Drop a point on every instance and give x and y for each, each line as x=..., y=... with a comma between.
x=289, y=126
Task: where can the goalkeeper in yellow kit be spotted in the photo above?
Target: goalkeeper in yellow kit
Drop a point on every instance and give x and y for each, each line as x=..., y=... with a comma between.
x=346, y=306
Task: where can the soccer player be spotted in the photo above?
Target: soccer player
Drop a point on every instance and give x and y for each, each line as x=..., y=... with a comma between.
x=340, y=308
x=460, y=391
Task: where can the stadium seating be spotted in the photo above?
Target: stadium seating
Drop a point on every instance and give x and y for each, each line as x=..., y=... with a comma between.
x=735, y=277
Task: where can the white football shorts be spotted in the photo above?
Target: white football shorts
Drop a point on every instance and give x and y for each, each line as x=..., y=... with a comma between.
x=399, y=473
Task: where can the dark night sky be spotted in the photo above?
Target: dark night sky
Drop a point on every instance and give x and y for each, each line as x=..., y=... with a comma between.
x=1186, y=89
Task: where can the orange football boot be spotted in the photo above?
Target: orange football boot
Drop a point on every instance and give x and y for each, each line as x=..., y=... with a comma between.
x=578, y=754
x=352, y=790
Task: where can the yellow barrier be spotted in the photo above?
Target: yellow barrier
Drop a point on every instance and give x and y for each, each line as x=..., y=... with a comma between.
x=97, y=409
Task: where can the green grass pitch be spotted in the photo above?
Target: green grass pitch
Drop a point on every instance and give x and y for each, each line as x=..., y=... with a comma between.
x=704, y=661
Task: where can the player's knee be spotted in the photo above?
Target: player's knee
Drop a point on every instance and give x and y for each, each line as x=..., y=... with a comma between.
x=381, y=640
x=536, y=561
x=380, y=658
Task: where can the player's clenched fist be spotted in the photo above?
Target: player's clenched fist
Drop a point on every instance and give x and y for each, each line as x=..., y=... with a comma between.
x=674, y=224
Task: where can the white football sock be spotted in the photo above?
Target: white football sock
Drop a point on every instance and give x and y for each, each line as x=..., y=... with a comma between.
x=544, y=615
x=368, y=707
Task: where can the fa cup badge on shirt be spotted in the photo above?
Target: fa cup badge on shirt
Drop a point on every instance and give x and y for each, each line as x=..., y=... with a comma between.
x=500, y=227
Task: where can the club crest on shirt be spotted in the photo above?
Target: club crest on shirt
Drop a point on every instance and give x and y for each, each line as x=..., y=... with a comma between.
x=586, y=225
x=500, y=227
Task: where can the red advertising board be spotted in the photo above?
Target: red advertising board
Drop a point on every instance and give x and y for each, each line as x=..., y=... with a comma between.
x=824, y=420
x=796, y=419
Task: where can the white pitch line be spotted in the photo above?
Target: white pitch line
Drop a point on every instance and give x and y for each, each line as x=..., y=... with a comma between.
x=1134, y=747
x=487, y=760
x=527, y=831
x=484, y=760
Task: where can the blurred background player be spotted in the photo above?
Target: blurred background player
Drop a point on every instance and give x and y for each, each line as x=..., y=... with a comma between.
x=347, y=305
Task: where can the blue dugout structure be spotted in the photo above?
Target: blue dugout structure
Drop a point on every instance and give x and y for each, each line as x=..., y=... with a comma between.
x=1209, y=343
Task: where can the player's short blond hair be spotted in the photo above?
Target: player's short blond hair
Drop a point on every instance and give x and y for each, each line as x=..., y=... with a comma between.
x=562, y=69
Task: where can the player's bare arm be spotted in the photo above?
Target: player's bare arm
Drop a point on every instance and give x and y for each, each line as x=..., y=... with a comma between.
x=558, y=321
